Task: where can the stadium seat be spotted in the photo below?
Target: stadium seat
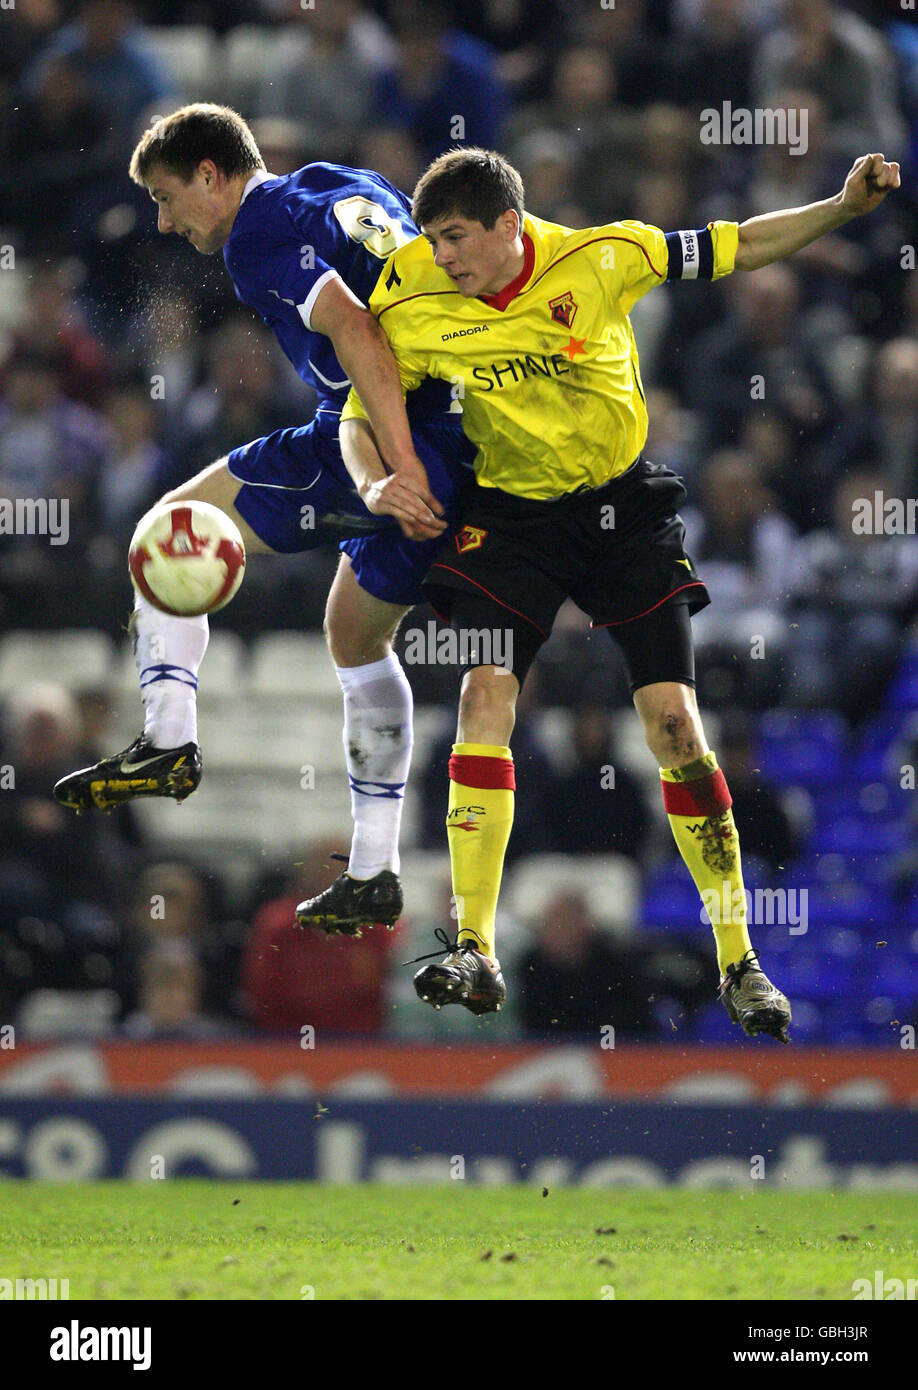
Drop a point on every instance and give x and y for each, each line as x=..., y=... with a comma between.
x=53, y=1013
x=294, y=664
x=12, y=299
x=426, y=880
x=873, y=870
x=887, y=1012
x=846, y=1026
x=673, y=904
x=902, y=693
x=845, y=942
x=892, y=971
x=876, y=744
x=848, y=904
x=71, y=658
x=714, y=1026
x=610, y=884
x=879, y=801
x=554, y=729
x=431, y=722
x=252, y=811
x=854, y=836
x=845, y=356
x=277, y=739
x=817, y=975
x=807, y=747
x=193, y=58
x=632, y=746
x=250, y=53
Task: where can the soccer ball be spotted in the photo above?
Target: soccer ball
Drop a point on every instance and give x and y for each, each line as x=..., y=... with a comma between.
x=187, y=558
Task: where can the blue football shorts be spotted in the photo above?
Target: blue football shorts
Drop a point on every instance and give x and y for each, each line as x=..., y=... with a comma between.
x=296, y=494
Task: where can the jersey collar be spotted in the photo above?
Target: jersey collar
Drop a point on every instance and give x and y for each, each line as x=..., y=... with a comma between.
x=509, y=292
x=259, y=176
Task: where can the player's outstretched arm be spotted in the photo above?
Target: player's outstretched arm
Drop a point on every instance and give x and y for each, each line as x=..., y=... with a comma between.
x=364, y=352
x=778, y=234
x=384, y=493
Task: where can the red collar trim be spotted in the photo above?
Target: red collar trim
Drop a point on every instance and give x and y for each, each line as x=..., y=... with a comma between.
x=509, y=292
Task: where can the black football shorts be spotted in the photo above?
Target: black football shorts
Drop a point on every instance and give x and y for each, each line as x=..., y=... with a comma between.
x=617, y=551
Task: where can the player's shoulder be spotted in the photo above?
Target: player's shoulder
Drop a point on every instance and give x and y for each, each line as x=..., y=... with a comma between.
x=313, y=193
x=409, y=274
x=626, y=235
x=627, y=232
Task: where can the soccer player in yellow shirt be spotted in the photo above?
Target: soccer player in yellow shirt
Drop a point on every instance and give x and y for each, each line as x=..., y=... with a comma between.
x=529, y=321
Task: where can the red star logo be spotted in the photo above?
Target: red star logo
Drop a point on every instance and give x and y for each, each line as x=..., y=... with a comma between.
x=574, y=346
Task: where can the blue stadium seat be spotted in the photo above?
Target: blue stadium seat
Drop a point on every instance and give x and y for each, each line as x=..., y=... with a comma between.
x=886, y=1014
x=877, y=801
x=713, y=1026
x=902, y=693
x=835, y=868
x=774, y=942
x=817, y=976
x=848, y=904
x=802, y=746
x=673, y=905
x=894, y=972
x=857, y=835
x=846, y=1026
x=876, y=738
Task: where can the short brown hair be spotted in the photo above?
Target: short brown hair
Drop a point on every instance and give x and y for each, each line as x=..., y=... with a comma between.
x=468, y=182
x=201, y=131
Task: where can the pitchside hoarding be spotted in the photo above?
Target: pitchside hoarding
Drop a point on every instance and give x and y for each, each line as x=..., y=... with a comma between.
x=617, y=1143
x=340, y=1112
x=752, y=1071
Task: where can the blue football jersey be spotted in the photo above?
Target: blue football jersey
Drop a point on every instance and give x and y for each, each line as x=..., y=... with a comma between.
x=292, y=234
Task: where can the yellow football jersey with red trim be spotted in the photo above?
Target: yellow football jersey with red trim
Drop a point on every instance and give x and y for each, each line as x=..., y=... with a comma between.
x=550, y=384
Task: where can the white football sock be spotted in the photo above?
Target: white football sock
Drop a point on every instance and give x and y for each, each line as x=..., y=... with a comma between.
x=378, y=736
x=169, y=652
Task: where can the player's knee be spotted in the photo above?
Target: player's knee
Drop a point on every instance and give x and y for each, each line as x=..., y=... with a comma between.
x=674, y=734
x=487, y=705
x=351, y=642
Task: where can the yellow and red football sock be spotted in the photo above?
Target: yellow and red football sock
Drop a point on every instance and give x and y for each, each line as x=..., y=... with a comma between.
x=697, y=802
x=478, y=824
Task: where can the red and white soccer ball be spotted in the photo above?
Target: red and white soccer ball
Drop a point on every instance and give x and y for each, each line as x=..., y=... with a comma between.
x=187, y=558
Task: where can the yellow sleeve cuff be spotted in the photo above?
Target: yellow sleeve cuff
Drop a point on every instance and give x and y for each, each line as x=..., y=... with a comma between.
x=725, y=236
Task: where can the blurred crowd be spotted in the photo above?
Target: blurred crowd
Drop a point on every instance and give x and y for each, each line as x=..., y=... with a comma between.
x=126, y=365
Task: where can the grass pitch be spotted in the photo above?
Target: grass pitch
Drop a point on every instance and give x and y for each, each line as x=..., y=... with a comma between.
x=196, y=1239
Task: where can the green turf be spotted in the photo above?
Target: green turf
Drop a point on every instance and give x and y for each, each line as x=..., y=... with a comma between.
x=217, y=1240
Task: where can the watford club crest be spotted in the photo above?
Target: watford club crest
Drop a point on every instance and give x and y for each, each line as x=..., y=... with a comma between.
x=469, y=538
x=563, y=309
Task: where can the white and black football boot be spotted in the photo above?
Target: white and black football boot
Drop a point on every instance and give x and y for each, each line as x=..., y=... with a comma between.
x=464, y=976
x=753, y=1001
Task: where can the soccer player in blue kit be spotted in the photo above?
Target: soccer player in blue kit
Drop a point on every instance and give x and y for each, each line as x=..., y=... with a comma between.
x=305, y=251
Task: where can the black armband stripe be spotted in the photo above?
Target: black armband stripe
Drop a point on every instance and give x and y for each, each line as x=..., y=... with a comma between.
x=691, y=255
